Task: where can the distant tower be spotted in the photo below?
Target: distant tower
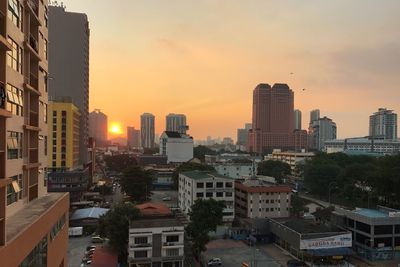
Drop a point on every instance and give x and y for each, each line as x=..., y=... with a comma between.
x=98, y=126
x=133, y=136
x=147, y=130
x=297, y=119
x=383, y=124
x=176, y=123
x=314, y=115
x=322, y=130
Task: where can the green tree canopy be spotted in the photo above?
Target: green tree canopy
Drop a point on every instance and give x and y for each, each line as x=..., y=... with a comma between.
x=277, y=169
x=205, y=216
x=120, y=162
x=200, y=152
x=115, y=226
x=137, y=183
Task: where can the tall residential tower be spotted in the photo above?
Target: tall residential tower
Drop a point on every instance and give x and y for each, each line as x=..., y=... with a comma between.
x=383, y=125
x=69, y=65
x=33, y=223
x=176, y=123
x=98, y=127
x=147, y=130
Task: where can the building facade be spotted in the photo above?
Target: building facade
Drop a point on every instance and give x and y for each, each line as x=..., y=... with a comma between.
x=205, y=185
x=297, y=119
x=273, y=120
x=376, y=233
x=64, y=122
x=256, y=199
x=177, y=147
x=322, y=130
x=156, y=238
x=98, y=127
x=147, y=130
x=33, y=224
x=176, y=123
x=363, y=145
x=383, y=125
x=235, y=170
x=294, y=159
x=133, y=136
x=315, y=115
x=69, y=65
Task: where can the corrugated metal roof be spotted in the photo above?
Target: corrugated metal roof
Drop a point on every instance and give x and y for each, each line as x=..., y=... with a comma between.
x=88, y=213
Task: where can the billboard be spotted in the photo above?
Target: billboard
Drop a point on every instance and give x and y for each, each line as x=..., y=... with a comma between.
x=337, y=241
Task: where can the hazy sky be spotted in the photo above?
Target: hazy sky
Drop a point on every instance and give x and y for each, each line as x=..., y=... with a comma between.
x=204, y=58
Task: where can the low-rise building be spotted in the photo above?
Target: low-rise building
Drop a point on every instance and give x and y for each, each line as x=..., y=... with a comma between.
x=291, y=158
x=363, y=145
x=376, y=232
x=195, y=185
x=235, y=170
x=176, y=146
x=162, y=175
x=156, y=238
x=255, y=198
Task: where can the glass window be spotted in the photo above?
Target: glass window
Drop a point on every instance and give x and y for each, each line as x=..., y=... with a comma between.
x=45, y=49
x=200, y=194
x=14, y=13
x=220, y=194
x=228, y=184
x=15, y=100
x=200, y=185
x=172, y=238
x=14, y=145
x=14, y=57
x=220, y=184
x=228, y=194
x=209, y=194
x=141, y=240
x=38, y=256
x=141, y=254
x=209, y=185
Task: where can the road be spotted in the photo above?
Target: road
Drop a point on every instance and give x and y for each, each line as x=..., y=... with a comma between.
x=76, y=249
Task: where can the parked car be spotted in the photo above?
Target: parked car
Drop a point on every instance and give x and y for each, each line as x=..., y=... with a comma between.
x=90, y=247
x=166, y=198
x=97, y=239
x=214, y=262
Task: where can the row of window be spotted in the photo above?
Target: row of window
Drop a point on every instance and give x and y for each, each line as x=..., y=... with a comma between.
x=57, y=227
x=15, y=190
x=217, y=185
x=269, y=209
x=15, y=100
x=14, y=145
x=211, y=194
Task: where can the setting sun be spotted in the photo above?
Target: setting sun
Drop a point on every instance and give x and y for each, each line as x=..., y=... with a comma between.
x=115, y=128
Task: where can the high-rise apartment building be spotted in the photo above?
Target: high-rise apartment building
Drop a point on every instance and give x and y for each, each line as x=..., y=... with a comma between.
x=273, y=120
x=69, y=65
x=322, y=130
x=133, y=136
x=98, y=127
x=33, y=223
x=297, y=119
x=63, y=149
x=314, y=115
x=176, y=123
x=243, y=134
x=383, y=125
x=147, y=130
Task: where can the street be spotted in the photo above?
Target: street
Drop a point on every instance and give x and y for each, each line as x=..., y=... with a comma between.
x=76, y=249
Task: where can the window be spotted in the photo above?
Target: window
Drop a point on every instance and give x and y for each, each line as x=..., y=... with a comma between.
x=228, y=184
x=46, y=17
x=228, y=194
x=45, y=112
x=14, y=13
x=200, y=195
x=141, y=254
x=46, y=80
x=45, y=145
x=15, y=100
x=209, y=185
x=14, y=57
x=172, y=252
x=141, y=240
x=272, y=201
x=46, y=43
x=209, y=194
x=172, y=238
x=57, y=227
x=38, y=256
x=14, y=191
x=200, y=185
x=220, y=184
x=54, y=113
x=220, y=194
x=14, y=145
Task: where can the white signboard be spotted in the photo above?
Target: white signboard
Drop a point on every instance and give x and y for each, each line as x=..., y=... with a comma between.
x=337, y=241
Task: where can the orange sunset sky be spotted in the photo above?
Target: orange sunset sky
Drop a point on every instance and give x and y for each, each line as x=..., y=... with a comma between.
x=203, y=58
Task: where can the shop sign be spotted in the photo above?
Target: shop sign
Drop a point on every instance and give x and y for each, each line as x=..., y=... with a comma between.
x=337, y=241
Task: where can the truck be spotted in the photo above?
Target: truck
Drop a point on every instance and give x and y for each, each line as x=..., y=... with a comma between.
x=75, y=231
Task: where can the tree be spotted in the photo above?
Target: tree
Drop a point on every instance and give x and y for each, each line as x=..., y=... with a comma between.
x=277, y=169
x=115, y=226
x=205, y=216
x=120, y=162
x=189, y=166
x=136, y=183
x=297, y=205
x=200, y=152
x=317, y=177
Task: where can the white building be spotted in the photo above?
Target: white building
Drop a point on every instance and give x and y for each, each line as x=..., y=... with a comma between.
x=235, y=170
x=363, y=145
x=383, y=124
x=156, y=238
x=176, y=146
x=195, y=185
x=322, y=130
x=291, y=158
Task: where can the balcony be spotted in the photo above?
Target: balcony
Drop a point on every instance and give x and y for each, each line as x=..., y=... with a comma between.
x=172, y=244
x=145, y=245
x=33, y=8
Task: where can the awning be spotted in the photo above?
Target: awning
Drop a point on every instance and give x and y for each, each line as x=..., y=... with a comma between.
x=330, y=252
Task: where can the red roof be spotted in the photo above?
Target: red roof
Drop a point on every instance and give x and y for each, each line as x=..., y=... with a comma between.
x=264, y=189
x=103, y=257
x=154, y=208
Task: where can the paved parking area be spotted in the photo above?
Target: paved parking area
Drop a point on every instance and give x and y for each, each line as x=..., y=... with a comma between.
x=234, y=253
x=158, y=195
x=76, y=249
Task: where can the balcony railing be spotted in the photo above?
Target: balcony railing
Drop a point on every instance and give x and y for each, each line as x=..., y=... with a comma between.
x=170, y=244
x=145, y=245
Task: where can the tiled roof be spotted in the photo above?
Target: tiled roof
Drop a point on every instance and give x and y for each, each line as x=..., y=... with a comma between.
x=154, y=208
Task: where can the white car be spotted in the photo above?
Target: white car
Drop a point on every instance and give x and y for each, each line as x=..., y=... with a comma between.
x=214, y=262
x=166, y=199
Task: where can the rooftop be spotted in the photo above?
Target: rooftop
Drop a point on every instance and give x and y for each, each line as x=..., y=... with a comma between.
x=103, y=257
x=29, y=213
x=88, y=213
x=372, y=213
x=304, y=226
x=197, y=175
x=259, y=186
x=155, y=222
x=154, y=209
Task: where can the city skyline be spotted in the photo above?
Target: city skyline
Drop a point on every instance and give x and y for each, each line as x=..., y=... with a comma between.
x=332, y=59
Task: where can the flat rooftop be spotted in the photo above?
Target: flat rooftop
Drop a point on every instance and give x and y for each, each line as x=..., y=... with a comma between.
x=304, y=226
x=372, y=213
x=30, y=213
x=154, y=222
